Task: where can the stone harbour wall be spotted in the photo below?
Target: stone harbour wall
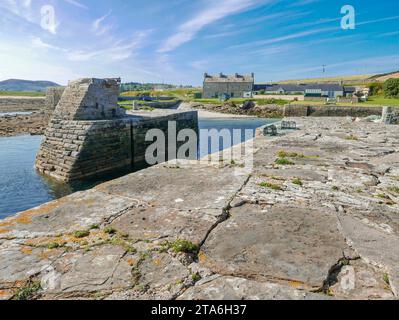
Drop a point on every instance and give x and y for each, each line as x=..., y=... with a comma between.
x=53, y=97
x=183, y=120
x=330, y=111
x=78, y=149
x=291, y=110
x=90, y=99
x=90, y=134
x=75, y=150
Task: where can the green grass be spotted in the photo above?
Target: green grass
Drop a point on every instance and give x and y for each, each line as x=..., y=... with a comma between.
x=297, y=181
x=183, y=246
x=21, y=94
x=28, y=291
x=386, y=279
x=382, y=101
x=285, y=154
x=352, y=138
x=284, y=162
x=393, y=189
x=373, y=101
x=109, y=230
x=272, y=186
x=53, y=245
x=185, y=92
x=196, y=277
x=81, y=234
x=260, y=102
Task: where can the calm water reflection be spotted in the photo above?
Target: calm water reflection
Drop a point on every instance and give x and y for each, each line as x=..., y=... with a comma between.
x=22, y=187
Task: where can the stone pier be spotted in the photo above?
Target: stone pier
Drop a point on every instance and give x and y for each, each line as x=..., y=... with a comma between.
x=90, y=134
x=317, y=218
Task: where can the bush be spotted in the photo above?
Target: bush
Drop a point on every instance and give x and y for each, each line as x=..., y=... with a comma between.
x=391, y=88
x=183, y=246
x=376, y=89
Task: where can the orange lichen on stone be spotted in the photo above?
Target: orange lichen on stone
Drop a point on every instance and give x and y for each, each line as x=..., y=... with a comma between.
x=26, y=216
x=5, y=294
x=202, y=257
x=26, y=250
x=296, y=284
x=132, y=262
x=157, y=262
x=46, y=242
x=45, y=254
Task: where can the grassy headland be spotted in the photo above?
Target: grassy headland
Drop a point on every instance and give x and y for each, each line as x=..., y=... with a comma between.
x=21, y=94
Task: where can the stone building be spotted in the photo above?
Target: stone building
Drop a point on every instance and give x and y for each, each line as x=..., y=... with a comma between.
x=234, y=86
x=309, y=90
x=89, y=134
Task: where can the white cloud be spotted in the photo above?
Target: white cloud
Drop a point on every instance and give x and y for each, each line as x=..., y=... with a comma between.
x=98, y=27
x=217, y=11
x=303, y=3
x=389, y=34
x=200, y=64
x=19, y=8
x=287, y=37
x=76, y=4
x=116, y=51
x=377, y=20
x=39, y=43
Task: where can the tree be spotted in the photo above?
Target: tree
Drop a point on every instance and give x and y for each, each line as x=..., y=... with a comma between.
x=376, y=89
x=391, y=88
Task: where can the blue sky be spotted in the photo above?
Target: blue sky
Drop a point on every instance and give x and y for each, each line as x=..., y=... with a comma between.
x=176, y=41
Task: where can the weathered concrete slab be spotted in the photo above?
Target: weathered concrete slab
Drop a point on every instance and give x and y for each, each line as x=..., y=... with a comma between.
x=84, y=272
x=78, y=211
x=186, y=208
x=151, y=223
x=233, y=288
x=290, y=244
x=184, y=188
x=375, y=247
x=360, y=280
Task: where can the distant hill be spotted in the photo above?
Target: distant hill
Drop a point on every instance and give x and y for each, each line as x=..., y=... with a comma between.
x=348, y=80
x=386, y=76
x=26, y=85
x=345, y=79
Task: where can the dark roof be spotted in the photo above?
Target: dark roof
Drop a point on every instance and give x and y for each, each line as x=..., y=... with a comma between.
x=350, y=89
x=229, y=78
x=297, y=88
x=326, y=87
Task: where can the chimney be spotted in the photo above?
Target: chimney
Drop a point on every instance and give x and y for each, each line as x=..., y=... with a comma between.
x=236, y=75
x=221, y=75
x=253, y=75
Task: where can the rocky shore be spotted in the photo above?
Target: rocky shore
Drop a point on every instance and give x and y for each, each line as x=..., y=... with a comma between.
x=248, y=109
x=317, y=218
x=34, y=124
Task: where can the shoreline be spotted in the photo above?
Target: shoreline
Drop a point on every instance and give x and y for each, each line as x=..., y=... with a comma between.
x=223, y=211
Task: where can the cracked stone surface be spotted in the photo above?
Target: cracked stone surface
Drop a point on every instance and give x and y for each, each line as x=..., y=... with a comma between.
x=75, y=212
x=322, y=225
x=285, y=243
x=234, y=288
x=99, y=269
x=363, y=281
